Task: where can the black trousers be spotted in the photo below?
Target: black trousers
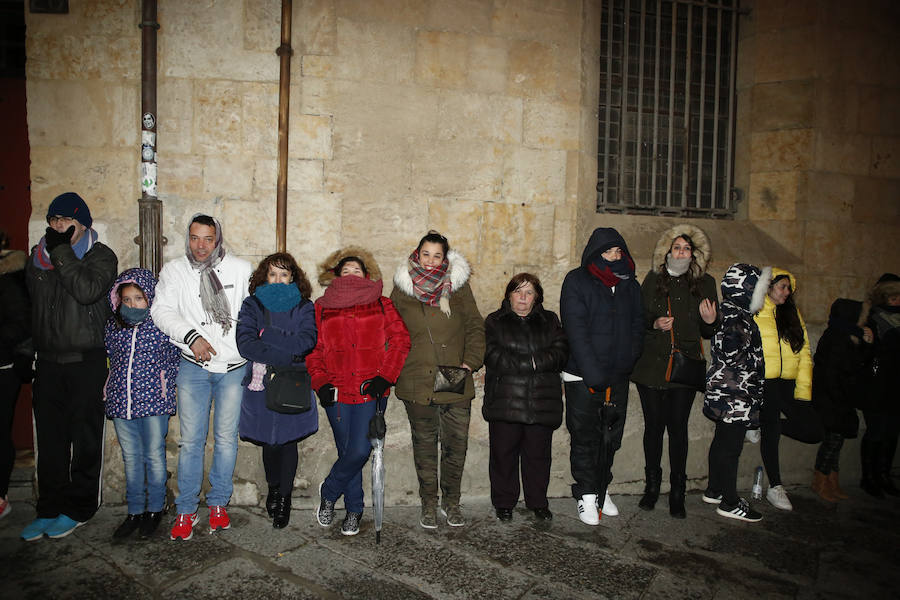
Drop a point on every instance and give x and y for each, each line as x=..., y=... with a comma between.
x=68, y=414
x=510, y=444
x=9, y=393
x=724, y=454
x=666, y=409
x=596, y=433
x=802, y=423
x=280, y=463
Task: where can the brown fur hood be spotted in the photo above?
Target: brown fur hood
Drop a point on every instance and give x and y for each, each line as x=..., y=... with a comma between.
x=12, y=261
x=703, y=249
x=326, y=267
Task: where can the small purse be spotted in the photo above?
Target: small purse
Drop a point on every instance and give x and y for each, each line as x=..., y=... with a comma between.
x=683, y=369
x=288, y=390
x=447, y=378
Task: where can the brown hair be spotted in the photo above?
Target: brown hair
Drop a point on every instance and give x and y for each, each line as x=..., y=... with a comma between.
x=521, y=279
x=282, y=260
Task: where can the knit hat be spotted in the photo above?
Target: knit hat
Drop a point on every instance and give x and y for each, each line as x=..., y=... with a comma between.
x=70, y=204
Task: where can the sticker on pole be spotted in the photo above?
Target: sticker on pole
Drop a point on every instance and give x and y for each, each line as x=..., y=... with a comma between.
x=148, y=120
x=148, y=178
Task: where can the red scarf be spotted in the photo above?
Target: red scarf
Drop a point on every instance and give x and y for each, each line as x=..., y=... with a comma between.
x=350, y=290
x=605, y=275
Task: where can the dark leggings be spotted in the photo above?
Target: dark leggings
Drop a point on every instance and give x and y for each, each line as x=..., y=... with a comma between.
x=724, y=455
x=828, y=457
x=666, y=409
x=280, y=463
x=802, y=423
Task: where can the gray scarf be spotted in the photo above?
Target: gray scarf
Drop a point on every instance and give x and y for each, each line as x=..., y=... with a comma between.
x=212, y=295
x=677, y=266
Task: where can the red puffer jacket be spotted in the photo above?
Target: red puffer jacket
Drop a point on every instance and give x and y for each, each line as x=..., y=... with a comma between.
x=357, y=343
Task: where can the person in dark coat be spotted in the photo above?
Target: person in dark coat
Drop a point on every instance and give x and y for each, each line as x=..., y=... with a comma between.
x=679, y=304
x=276, y=327
x=734, y=385
x=881, y=409
x=838, y=377
x=526, y=350
x=601, y=313
x=68, y=277
x=15, y=361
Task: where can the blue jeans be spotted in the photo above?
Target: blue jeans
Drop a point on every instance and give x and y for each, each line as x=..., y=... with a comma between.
x=197, y=389
x=350, y=425
x=143, y=442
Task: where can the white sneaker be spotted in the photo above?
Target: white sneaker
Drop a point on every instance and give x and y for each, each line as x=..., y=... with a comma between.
x=778, y=498
x=609, y=508
x=753, y=436
x=587, y=509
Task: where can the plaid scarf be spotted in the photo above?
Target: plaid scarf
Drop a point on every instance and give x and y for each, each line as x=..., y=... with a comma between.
x=430, y=286
x=41, y=257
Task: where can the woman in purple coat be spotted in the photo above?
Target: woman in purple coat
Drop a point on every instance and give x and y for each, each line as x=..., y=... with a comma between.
x=139, y=397
x=276, y=327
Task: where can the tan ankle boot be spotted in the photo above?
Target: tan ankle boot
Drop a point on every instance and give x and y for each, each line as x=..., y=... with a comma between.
x=822, y=488
x=835, y=487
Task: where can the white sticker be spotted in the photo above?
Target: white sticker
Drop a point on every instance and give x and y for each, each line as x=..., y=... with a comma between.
x=148, y=178
x=148, y=120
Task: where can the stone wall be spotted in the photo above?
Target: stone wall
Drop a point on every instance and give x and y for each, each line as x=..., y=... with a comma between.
x=474, y=117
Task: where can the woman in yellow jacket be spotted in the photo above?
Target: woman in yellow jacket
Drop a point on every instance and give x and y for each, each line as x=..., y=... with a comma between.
x=788, y=386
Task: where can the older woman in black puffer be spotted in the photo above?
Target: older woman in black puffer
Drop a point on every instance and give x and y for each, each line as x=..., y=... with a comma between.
x=526, y=350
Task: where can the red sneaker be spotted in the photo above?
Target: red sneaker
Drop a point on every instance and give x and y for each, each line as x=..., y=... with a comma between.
x=218, y=518
x=184, y=526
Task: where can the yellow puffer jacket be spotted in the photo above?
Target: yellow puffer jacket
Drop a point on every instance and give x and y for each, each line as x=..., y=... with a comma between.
x=781, y=361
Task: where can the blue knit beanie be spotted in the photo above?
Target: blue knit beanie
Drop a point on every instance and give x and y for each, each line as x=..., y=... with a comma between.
x=70, y=204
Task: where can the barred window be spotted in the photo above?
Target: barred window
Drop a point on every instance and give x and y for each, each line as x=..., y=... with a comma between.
x=667, y=107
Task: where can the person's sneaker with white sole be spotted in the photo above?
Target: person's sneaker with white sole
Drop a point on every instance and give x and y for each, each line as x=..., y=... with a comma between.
x=587, y=509
x=740, y=511
x=778, y=498
x=350, y=526
x=609, y=508
x=711, y=497
x=753, y=436
x=325, y=512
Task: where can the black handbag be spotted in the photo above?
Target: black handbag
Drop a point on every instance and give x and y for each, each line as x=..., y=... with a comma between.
x=447, y=378
x=682, y=368
x=288, y=389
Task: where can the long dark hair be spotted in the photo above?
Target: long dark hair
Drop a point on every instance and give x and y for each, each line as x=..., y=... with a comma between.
x=285, y=261
x=787, y=320
x=693, y=274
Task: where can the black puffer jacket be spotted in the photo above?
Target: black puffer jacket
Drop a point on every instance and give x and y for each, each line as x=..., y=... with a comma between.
x=524, y=357
x=70, y=304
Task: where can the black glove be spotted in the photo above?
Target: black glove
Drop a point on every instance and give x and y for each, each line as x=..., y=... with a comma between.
x=326, y=395
x=375, y=387
x=53, y=238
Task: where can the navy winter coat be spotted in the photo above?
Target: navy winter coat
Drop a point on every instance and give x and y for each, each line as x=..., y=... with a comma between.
x=286, y=341
x=605, y=328
x=143, y=363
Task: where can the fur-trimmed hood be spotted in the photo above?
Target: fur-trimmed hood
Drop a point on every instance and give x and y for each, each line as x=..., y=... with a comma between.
x=326, y=267
x=746, y=286
x=12, y=261
x=459, y=274
x=703, y=250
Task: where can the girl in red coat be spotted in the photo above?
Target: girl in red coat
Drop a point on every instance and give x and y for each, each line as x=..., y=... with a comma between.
x=361, y=349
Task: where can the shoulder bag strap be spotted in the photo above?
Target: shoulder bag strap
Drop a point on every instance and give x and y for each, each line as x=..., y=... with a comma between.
x=427, y=328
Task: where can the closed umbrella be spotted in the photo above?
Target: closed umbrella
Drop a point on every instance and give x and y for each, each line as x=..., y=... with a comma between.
x=377, y=430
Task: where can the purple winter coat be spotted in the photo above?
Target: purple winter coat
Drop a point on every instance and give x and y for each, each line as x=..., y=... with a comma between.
x=143, y=363
x=286, y=341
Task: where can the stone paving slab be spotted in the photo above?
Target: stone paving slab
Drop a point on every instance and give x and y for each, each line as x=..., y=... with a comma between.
x=815, y=551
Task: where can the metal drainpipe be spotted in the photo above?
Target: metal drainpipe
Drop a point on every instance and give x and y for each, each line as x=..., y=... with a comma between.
x=284, y=95
x=150, y=238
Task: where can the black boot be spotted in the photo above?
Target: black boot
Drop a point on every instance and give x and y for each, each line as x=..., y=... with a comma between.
x=272, y=500
x=870, y=483
x=282, y=512
x=128, y=526
x=651, y=488
x=884, y=467
x=676, y=496
x=150, y=522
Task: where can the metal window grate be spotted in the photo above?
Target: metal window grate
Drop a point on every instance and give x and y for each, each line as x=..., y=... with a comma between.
x=667, y=107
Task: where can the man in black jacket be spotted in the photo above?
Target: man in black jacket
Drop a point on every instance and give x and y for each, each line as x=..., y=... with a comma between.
x=69, y=276
x=601, y=314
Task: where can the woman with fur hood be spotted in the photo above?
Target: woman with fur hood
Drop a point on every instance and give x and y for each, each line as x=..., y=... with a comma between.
x=432, y=294
x=734, y=385
x=679, y=300
x=881, y=408
x=362, y=343
x=788, y=387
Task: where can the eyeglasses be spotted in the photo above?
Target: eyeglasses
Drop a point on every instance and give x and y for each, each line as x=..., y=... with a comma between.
x=60, y=219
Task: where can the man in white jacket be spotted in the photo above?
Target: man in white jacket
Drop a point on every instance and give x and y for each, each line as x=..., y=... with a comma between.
x=197, y=302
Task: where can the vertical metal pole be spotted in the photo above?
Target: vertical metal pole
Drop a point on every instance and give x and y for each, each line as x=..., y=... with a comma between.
x=623, y=151
x=655, y=105
x=640, y=109
x=671, y=141
x=609, y=49
x=702, y=104
x=284, y=96
x=729, y=144
x=715, y=141
x=686, y=165
x=150, y=239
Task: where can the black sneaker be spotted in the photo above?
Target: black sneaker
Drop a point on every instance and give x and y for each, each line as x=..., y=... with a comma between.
x=740, y=511
x=711, y=497
x=325, y=514
x=350, y=526
x=150, y=523
x=128, y=526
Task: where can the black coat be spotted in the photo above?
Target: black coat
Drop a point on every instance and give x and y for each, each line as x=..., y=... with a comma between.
x=524, y=357
x=839, y=369
x=884, y=369
x=605, y=328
